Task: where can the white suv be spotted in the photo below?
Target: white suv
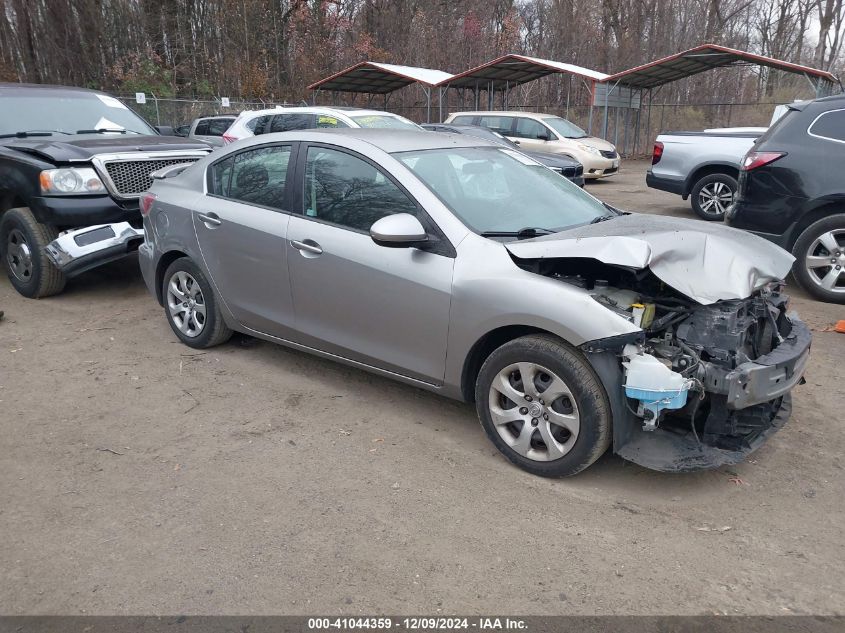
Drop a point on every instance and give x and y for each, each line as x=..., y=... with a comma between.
x=282, y=119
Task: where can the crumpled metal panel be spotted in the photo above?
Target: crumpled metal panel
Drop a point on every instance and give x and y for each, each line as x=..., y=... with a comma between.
x=705, y=261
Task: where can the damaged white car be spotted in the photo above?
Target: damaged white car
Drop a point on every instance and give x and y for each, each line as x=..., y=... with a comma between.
x=471, y=270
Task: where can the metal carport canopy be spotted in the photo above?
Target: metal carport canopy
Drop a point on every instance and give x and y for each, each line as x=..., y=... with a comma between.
x=512, y=70
x=378, y=78
x=702, y=58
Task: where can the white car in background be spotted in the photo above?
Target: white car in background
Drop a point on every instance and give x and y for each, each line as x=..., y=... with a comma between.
x=284, y=119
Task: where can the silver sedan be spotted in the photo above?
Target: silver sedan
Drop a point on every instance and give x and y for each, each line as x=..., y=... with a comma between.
x=469, y=269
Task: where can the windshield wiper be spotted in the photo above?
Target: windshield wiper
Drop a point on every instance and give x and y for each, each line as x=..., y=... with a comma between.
x=29, y=133
x=102, y=130
x=521, y=234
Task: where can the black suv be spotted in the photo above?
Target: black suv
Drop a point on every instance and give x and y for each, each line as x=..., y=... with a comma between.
x=792, y=191
x=73, y=165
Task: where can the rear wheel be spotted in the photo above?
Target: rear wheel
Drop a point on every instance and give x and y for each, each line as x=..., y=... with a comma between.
x=191, y=307
x=712, y=195
x=23, y=247
x=820, y=259
x=543, y=406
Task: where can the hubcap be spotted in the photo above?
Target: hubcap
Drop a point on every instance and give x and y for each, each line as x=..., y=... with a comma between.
x=18, y=256
x=714, y=198
x=825, y=261
x=534, y=411
x=186, y=304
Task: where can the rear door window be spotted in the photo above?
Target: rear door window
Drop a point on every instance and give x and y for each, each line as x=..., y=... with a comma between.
x=829, y=126
x=288, y=122
x=501, y=124
x=529, y=128
x=329, y=121
x=217, y=127
x=256, y=176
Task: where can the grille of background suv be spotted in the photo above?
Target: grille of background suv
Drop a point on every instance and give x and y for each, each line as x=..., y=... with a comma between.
x=131, y=178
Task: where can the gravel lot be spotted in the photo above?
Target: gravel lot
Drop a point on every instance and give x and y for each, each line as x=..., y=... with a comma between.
x=142, y=477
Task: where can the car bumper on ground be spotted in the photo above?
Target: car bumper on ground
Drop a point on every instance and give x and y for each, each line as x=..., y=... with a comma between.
x=75, y=252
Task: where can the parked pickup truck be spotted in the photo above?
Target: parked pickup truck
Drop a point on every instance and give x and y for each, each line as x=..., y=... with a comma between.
x=73, y=165
x=701, y=166
x=208, y=128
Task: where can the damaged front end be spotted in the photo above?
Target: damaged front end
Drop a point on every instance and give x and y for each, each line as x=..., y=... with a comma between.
x=699, y=386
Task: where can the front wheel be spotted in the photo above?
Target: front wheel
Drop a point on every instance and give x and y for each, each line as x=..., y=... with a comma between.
x=712, y=195
x=820, y=259
x=543, y=406
x=23, y=247
x=191, y=307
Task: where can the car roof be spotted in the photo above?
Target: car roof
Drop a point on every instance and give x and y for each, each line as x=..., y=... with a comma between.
x=388, y=140
x=533, y=115
x=45, y=88
x=317, y=110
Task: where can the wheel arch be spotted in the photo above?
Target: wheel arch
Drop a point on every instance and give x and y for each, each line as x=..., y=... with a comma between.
x=708, y=169
x=825, y=209
x=10, y=200
x=485, y=346
x=164, y=261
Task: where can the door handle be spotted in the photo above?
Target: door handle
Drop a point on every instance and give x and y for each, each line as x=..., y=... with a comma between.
x=307, y=246
x=211, y=220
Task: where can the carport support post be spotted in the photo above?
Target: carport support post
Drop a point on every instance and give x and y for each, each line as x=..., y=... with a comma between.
x=440, y=104
x=158, y=117
x=427, y=104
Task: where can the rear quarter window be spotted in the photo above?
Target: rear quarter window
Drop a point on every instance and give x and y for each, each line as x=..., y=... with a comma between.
x=829, y=126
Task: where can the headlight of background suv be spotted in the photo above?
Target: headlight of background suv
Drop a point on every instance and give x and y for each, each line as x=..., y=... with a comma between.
x=71, y=180
x=589, y=148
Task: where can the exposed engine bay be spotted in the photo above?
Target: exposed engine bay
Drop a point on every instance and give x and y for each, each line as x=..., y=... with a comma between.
x=701, y=385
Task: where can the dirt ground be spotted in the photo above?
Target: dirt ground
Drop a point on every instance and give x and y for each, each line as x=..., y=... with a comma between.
x=142, y=477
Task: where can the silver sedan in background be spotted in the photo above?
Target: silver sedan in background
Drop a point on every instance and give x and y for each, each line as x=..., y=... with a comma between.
x=468, y=269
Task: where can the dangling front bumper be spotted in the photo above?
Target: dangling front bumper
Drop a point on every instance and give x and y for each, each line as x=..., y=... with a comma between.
x=77, y=251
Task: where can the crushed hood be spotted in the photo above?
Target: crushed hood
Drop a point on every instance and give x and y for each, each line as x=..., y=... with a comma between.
x=62, y=149
x=707, y=262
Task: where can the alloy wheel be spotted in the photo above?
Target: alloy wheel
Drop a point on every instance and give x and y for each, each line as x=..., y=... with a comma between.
x=534, y=411
x=825, y=261
x=186, y=304
x=19, y=255
x=714, y=198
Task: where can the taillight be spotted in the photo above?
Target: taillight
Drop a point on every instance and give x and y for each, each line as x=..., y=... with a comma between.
x=753, y=160
x=229, y=139
x=147, y=203
x=658, y=153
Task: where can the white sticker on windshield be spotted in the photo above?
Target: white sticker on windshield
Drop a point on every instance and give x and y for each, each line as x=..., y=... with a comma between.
x=105, y=124
x=111, y=102
x=522, y=158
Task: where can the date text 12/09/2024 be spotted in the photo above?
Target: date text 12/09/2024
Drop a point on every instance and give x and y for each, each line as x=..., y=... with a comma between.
x=418, y=623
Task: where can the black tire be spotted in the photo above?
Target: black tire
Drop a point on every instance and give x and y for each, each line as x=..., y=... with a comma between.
x=37, y=277
x=807, y=245
x=593, y=437
x=697, y=198
x=214, y=330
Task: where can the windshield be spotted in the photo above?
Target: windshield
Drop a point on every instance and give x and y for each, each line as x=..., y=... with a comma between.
x=499, y=190
x=66, y=112
x=565, y=128
x=385, y=121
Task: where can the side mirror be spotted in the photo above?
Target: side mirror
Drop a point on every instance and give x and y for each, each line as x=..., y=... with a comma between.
x=401, y=230
x=165, y=130
x=543, y=137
